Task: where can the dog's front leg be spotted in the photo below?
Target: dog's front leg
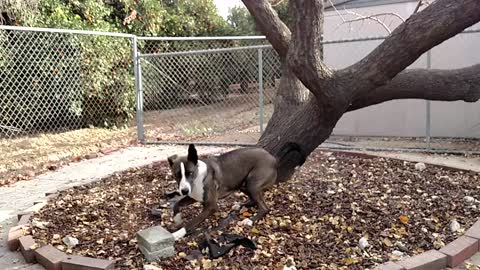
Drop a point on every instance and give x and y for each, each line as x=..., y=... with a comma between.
x=177, y=216
x=209, y=208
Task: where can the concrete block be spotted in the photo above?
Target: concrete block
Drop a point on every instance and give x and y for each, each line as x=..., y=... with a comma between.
x=159, y=254
x=25, y=219
x=429, y=260
x=474, y=231
x=27, y=247
x=389, y=266
x=50, y=257
x=86, y=263
x=21, y=214
x=155, y=239
x=12, y=239
x=36, y=207
x=460, y=250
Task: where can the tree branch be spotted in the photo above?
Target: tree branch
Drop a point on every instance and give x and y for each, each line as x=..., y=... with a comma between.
x=431, y=84
x=270, y=25
x=438, y=22
x=304, y=56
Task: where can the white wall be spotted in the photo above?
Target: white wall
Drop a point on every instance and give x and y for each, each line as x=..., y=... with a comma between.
x=401, y=117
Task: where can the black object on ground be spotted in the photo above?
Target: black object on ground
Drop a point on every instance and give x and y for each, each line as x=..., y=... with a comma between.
x=225, y=243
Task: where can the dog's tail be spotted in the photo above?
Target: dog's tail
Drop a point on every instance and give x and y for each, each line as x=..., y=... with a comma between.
x=290, y=156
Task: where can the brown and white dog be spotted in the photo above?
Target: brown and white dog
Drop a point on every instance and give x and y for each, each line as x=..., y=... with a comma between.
x=250, y=170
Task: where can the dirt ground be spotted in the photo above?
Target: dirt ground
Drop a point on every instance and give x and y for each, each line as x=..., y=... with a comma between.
x=318, y=219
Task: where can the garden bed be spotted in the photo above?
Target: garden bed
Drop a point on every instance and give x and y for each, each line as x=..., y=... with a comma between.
x=317, y=218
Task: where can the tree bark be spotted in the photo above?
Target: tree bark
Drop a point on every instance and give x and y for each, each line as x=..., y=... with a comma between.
x=270, y=24
x=424, y=30
x=430, y=84
x=376, y=78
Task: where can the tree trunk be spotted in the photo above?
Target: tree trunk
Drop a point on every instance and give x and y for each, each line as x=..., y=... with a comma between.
x=377, y=78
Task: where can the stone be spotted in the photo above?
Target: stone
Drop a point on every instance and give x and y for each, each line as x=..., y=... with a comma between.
x=50, y=257
x=389, y=266
x=474, y=231
x=40, y=224
x=25, y=219
x=151, y=267
x=363, y=243
x=91, y=156
x=398, y=253
x=20, y=214
x=12, y=239
x=246, y=222
x=155, y=239
x=153, y=255
x=454, y=226
x=86, y=263
x=27, y=247
x=71, y=242
x=36, y=207
x=429, y=260
x=460, y=250
x=420, y=166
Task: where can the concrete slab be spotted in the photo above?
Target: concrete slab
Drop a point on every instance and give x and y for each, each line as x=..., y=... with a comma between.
x=155, y=238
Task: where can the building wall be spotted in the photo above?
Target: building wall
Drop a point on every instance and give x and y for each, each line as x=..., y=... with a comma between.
x=401, y=117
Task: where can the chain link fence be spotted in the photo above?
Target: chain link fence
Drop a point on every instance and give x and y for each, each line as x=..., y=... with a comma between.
x=55, y=80
x=210, y=90
x=214, y=89
x=221, y=91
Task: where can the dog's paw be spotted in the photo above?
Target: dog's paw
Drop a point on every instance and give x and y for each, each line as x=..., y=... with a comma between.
x=177, y=219
x=179, y=234
x=236, y=207
x=246, y=222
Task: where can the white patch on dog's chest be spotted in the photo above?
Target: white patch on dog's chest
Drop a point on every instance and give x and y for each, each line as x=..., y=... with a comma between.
x=197, y=185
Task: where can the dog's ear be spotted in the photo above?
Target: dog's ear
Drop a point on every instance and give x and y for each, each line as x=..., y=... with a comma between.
x=171, y=159
x=192, y=154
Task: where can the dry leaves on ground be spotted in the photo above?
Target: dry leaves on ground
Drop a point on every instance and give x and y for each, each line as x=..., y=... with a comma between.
x=339, y=212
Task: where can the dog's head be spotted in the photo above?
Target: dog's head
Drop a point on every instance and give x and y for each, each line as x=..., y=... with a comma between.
x=185, y=169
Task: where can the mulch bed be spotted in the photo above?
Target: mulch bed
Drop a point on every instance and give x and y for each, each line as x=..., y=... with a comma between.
x=317, y=218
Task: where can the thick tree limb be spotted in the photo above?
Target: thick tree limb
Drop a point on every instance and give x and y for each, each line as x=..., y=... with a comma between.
x=304, y=56
x=270, y=25
x=438, y=22
x=443, y=85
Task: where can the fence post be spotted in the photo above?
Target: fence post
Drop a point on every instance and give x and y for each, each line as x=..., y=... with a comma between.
x=260, y=87
x=428, y=115
x=137, y=69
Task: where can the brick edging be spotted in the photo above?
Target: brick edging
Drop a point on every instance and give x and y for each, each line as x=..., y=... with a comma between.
x=20, y=238
x=453, y=254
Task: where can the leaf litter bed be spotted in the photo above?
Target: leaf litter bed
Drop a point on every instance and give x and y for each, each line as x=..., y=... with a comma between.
x=316, y=219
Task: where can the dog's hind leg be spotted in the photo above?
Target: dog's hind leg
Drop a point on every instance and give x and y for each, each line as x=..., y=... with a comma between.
x=257, y=182
x=250, y=202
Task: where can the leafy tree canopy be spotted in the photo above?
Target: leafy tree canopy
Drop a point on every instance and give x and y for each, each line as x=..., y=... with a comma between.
x=146, y=17
x=242, y=22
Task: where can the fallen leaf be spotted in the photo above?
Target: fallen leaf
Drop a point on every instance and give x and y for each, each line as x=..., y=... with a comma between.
x=404, y=219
